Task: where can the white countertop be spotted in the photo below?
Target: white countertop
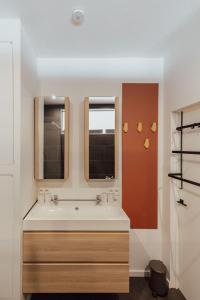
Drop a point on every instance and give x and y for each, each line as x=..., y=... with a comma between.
x=76, y=216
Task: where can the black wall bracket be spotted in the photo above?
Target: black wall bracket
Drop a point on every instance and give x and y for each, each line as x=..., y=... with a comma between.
x=182, y=202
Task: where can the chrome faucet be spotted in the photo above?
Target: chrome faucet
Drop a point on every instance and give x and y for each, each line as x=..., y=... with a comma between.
x=98, y=199
x=55, y=199
x=101, y=197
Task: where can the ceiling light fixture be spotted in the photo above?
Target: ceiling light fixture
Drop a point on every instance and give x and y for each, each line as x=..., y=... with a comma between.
x=77, y=16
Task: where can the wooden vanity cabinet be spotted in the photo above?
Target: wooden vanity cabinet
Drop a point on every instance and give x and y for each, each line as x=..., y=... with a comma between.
x=75, y=262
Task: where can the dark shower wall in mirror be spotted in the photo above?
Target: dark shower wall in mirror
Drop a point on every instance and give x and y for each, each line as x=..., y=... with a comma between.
x=53, y=142
x=101, y=155
x=101, y=146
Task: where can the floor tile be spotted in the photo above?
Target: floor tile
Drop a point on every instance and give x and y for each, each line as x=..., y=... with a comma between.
x=139, y=290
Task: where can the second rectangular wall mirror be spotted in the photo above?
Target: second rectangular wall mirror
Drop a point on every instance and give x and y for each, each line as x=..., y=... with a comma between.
x=101, y=138
x=51, y=137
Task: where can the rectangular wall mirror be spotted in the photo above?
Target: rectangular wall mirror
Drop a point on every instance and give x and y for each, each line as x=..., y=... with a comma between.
x=51, y=137
x=101, y=138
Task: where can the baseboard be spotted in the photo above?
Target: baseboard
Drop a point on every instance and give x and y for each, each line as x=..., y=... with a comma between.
x=138, y=273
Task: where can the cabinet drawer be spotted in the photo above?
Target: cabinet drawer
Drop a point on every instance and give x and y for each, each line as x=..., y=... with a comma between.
x=75, y=246
x=75, y=278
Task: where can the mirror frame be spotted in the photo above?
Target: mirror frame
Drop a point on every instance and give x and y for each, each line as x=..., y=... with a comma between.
x=86, y=140
x=36, y=140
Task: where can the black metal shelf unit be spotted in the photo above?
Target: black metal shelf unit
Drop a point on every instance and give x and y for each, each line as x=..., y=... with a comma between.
x=179, y=176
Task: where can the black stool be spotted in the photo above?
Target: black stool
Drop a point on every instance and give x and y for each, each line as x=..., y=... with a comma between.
x=158, y=283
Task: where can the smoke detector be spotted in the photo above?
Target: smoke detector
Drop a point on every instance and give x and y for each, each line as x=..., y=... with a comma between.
x=77, y=16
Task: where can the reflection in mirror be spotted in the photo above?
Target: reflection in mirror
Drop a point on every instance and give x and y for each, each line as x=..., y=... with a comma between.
x=51, y=137
x=100, y=137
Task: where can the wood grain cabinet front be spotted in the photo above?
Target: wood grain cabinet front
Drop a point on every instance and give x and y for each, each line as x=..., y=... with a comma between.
x=75, y=246
x=75, y=262
x=75, y=278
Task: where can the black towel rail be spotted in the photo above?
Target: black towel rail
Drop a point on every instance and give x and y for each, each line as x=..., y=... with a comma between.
x=187, y=152
x=176, y=176
x=192, y=126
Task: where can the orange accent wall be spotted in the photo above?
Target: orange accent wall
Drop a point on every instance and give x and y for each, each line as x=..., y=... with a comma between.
x=139, y=165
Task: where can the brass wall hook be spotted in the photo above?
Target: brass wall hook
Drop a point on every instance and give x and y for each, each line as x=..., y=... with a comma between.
x=125, y=127
x=146, y=143
x=139, y=126
x=154, y=127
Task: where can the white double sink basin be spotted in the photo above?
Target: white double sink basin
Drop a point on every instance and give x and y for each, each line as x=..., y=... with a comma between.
x=76, y=216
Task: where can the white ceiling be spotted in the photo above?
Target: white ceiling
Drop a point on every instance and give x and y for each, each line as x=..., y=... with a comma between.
x=112, y=28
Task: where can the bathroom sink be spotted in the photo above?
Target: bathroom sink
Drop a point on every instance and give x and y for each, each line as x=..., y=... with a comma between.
x=76, y=216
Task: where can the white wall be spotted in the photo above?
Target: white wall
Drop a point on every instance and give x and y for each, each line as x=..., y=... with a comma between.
x=29, y=88
x=182, y=88
x=10, y=201
x=16, y=159
x=78, y=78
